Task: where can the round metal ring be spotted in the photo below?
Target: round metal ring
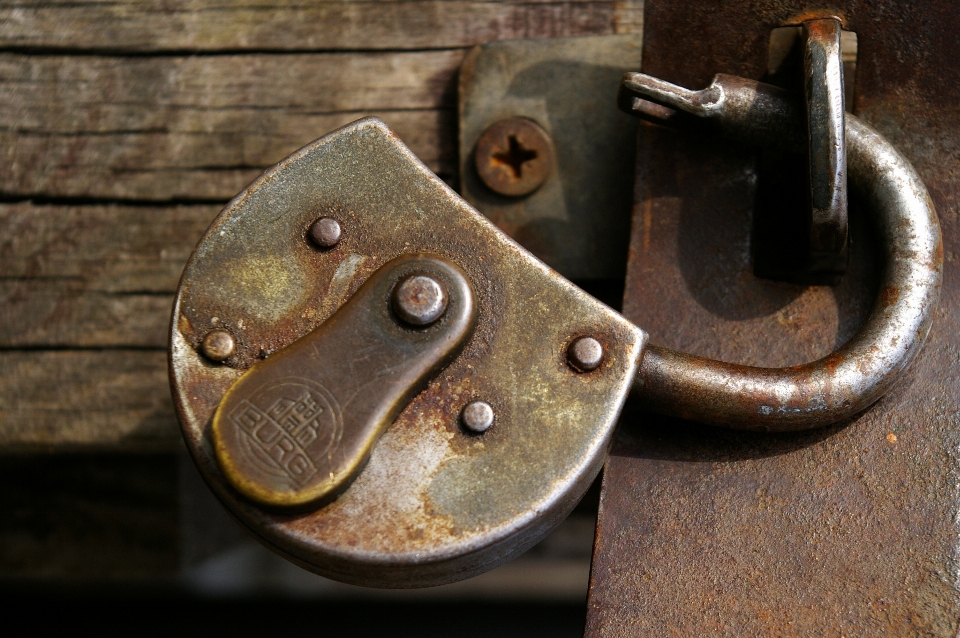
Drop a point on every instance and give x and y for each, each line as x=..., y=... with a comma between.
x=861, y=371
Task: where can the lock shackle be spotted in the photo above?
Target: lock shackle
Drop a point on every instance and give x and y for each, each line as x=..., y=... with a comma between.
x=853, y=377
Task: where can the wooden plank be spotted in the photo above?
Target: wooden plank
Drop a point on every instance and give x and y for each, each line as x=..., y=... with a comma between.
x=111, y=249
x=187, y=128
x=49, y=314
x=93, y=276
x=211, y=25
x=117, y=399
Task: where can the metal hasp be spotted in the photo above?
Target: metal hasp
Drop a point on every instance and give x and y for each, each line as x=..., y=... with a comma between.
x=570, y=205
x=823, y=89
x=864, y=368
x=484, y=459
x=296, y=428
x=850, y=530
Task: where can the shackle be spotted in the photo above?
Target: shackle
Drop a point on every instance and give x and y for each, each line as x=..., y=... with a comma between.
x=858, y=373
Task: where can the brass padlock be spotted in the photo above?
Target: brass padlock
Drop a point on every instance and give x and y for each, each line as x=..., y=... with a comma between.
x=389, y=391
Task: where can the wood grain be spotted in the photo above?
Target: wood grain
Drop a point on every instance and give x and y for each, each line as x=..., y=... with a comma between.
x=114, y=399
x=210, y=25
x=188, y=128
x=93, y=276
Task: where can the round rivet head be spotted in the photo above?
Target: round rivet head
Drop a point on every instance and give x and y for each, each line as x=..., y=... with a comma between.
x=325, y=232
x=419, y=300
x=477, y=416
x=585, y=354
x=218, y=345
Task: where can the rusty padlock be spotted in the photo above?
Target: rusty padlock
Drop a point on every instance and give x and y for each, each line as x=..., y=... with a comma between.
x=388, y=391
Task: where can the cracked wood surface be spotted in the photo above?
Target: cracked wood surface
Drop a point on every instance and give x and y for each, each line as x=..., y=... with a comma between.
x=204, y=25
x=124, y=128
x=203, y=127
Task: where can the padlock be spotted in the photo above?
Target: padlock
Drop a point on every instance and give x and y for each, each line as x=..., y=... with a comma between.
x=389, y=391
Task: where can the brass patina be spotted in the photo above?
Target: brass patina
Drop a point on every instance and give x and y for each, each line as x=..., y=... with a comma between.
x=295, y=429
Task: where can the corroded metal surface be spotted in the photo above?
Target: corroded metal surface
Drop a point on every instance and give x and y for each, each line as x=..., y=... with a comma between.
x=434, y=503
x=296, y=428
x=847, y=531
x=578, y=221
x=855, y=375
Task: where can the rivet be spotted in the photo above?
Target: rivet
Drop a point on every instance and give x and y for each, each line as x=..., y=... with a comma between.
x=514, y=157
x=477, y=416
x=218, y=345
x=419, y=300
x=585, y=354
x=325, y=232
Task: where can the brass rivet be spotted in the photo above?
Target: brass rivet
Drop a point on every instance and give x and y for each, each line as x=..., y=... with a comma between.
x=477, y=416
x=585, y=354
x=218, y=345
x=419, y=300
x=325, y=232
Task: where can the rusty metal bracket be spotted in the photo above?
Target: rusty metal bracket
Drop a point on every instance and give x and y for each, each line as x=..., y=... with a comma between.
x=576, y=216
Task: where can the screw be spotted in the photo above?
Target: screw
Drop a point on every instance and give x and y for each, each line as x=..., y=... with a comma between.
x=514, y=157
x=477, y=416
x=419, y=300
x=218, y=345
x=325, y=232
x=585, y=354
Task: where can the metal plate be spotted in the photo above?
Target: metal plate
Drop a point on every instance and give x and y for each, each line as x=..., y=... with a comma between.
x=578, y=221
x=434, y=504
x=847, y=531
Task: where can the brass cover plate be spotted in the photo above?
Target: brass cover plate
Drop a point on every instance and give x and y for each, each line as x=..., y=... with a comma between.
x=434, y=504
x=297, y=427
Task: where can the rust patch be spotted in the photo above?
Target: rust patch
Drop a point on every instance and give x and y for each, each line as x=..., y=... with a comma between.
x=889, y=295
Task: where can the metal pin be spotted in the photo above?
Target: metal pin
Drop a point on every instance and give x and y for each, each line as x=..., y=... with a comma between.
x=477, y=416
x=419, y=300
x=325, y=232
x=218, y=345
x=585, y=354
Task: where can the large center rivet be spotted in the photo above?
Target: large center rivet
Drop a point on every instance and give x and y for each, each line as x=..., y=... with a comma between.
x=419, y=300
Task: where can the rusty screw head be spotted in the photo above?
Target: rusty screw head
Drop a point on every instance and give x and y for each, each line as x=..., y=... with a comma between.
x=218, y=345
x=477, y=416
x=585, y=354
x=325, y=232
x=514, y=157
x=419, y=300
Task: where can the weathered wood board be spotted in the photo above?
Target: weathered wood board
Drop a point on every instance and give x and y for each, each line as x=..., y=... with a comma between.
x=125, y=126
x=285, y=25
